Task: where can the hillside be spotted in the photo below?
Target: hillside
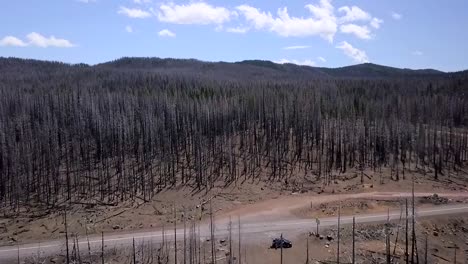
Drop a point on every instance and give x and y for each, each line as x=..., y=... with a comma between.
x=135, y=126
x=266, y=69
x=248, y=69
x=125, y=144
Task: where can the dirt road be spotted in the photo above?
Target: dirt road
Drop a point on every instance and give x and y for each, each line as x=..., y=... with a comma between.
x=259, y=222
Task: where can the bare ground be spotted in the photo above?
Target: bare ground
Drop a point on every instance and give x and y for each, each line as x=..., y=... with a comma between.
x=267, y=199
x=251, y=200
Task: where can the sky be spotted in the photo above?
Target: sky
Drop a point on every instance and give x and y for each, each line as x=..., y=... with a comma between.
x=325, y=33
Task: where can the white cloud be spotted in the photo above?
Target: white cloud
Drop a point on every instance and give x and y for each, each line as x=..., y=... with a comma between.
x=353, y=14
x=321, y=23
x=12, y=42
x=396, y=16
x=133, y=12
x=375, y=23
x=352, y=52
x=129, y=29
x=417, y=53
x=322, y=59
x=86, y=1
x=194, y=13
x=239, y=30
x=166, y=33
x=297, y=62
x=141, y=1
x=36, y=39
x=361, y=32
x=296, y=47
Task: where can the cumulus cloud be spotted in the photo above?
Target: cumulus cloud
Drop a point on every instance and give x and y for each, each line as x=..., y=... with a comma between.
x=352, y=14
x=296, y=47
x=38, y=40
x=396, y=16
x=129, y=29
x=12, y=42
x=297, y=62
x=375, y=22
x=199, y=13
x=322, y=21
x=361, y=32
x=322, y=59
x=239, y=30
x=357, y=55
x=166, y=33
x=133, y=12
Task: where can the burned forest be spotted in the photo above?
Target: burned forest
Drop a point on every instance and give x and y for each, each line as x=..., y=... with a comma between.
x=131, y=128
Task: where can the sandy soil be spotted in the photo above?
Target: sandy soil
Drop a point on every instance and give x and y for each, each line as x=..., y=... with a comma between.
x=251, y=200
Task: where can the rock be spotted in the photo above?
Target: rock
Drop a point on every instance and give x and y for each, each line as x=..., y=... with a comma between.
x=327, y=246
x=329, y=238
x=115, y=227
x=321, y=237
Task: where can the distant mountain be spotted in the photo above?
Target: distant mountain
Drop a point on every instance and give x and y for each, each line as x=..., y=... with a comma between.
x=370, y=70
x=262, y=68
x=248, y=69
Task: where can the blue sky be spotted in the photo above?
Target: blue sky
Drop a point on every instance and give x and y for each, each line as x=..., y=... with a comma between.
x=328, y=33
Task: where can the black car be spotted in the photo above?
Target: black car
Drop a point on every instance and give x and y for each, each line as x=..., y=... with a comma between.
x=281, y=243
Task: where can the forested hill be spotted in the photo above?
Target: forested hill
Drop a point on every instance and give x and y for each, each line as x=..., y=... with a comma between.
x=131, y=128
x=232, y=71
x=265, y=69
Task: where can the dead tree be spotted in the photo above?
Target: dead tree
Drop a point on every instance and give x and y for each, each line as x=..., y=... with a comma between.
x=281, y=249
x=354, y=241
x=185, y=236
x=387, y=237
x=230, y=240
x=338, y=248
x=406, y=231
x=134, y=253
x=175, y=235
x=102, y=247
x=239, y=229
x=66, y=235
x=212, y=231
x=425, y=251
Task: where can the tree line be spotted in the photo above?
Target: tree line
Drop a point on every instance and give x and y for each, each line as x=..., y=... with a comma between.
x=74, y=133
